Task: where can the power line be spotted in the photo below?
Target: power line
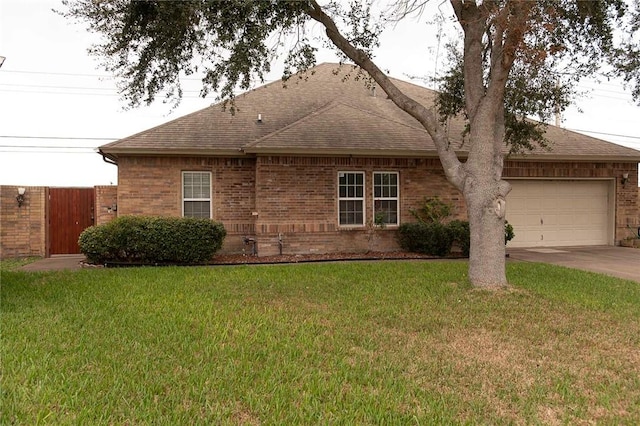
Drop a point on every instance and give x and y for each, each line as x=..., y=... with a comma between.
x=45, y=147
x=605, y=134
x=56, y=73
x=91, y=94
x=624, y=96
x=47, y=152
x=57, y=137
x=45, y=86
x=18, y=88
x=617, y=92
x=69, y=74
x=57, y=93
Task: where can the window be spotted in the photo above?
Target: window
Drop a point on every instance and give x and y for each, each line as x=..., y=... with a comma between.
x=385, y=197
x=351, y=198
x=196, y=194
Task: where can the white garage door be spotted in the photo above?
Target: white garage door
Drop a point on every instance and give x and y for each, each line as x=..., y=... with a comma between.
x=559, y=213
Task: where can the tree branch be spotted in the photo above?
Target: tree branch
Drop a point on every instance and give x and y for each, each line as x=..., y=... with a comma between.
x=426, y=117
x=457, y=8
x=510, y=29
x=473, y=25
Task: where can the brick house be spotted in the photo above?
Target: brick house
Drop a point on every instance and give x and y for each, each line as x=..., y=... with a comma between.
x=304, y=168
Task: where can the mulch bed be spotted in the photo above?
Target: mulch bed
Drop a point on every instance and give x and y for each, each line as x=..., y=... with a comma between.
x=236, y=259
x=243, y=259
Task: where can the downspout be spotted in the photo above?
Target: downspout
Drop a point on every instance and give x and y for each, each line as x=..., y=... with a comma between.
x=107, y=158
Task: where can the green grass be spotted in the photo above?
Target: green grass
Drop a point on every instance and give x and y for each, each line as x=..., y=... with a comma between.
x=343, y=343
x=12, y=264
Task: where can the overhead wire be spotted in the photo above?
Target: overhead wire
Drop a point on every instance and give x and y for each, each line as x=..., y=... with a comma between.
x=59, y=90
x=605, y=134
x=55, y=137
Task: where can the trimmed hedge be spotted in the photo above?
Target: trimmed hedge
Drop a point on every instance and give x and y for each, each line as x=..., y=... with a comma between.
x=428, y=238
x=152, y=240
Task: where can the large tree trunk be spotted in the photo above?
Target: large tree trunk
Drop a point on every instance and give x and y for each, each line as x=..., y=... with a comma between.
x=485, y=209
x=485, y=194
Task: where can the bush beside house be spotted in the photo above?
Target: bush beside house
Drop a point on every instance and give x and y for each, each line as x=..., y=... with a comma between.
x=434, y=239
x=434, y=234
x=438, y=239
x=152, y=240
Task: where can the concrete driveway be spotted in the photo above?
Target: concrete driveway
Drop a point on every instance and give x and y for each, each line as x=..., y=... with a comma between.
x=621, y=262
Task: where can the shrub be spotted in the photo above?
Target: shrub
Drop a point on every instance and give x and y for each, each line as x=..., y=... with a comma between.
x=461, y=235
x=432, y=210
x=429, y=238
x=508, y=232
x=150, y=239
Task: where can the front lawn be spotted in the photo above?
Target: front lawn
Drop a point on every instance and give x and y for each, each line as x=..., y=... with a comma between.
x=340, y=343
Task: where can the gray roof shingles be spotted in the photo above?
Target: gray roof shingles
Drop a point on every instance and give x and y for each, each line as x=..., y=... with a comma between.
x=327, y=111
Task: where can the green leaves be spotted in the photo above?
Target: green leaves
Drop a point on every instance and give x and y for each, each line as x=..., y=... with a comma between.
x=151, y=44
x=563, y=42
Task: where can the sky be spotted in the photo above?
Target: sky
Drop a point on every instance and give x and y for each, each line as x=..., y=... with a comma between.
x=57, y=106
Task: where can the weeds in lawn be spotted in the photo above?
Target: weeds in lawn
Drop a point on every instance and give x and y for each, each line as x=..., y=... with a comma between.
x=355, y=343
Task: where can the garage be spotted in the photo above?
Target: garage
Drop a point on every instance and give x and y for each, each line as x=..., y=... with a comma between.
x=560, y=212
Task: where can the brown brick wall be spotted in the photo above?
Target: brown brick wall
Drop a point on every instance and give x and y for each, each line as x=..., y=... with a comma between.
x=22, y=229
x=298, y=199
x=153, y=186
x=106, y=204
x=627, y=202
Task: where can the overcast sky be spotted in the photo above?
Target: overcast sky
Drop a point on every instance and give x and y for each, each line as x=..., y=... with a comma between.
x=57, y=106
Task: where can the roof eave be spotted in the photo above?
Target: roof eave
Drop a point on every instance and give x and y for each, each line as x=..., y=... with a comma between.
x=115, y=153
x=574, y=158
x=341, y=152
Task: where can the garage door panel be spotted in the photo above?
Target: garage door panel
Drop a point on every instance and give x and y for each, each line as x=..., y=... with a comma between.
x=527, y=235
x=580, y=221
x=559, y=213
x=582, y=204
x=600, y=217
x=528, y=221
x=549, y=204
x=566, y=220
x=534, y=204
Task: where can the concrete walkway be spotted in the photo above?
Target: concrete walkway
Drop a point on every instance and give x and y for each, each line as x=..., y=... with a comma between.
x=55, y=263
x=621, y=262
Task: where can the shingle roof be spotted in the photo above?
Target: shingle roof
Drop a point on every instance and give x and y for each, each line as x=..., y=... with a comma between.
x=327, y=111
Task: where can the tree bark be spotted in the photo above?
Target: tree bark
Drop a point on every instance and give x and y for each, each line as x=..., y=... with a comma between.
x=485, y=209
x=485, y=195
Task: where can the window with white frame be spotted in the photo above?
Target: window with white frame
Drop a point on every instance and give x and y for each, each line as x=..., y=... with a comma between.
x=351, y=198
x=385, y=198
x=196, y=194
